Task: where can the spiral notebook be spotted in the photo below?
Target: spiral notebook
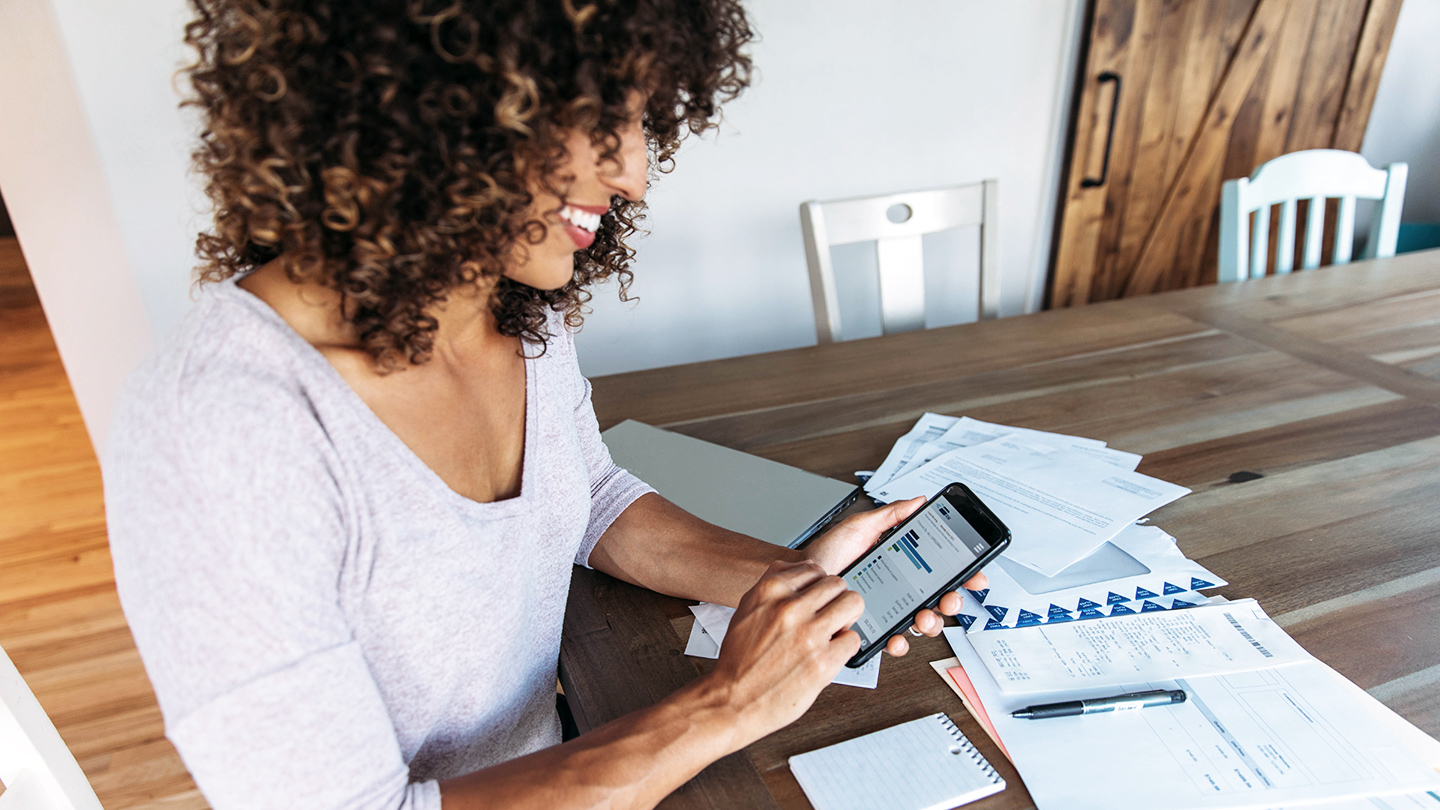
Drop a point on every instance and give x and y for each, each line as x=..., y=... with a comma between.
x=925, y=764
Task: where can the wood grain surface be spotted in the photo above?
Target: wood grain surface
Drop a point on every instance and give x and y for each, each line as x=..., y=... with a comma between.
x=60, y=618
x=1323, y=384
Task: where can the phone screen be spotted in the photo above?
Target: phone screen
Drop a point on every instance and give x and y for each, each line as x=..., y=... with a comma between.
x=911, y=565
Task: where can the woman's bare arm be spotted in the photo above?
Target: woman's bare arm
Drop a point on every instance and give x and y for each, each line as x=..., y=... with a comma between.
x=787, y=640
x=657, y=545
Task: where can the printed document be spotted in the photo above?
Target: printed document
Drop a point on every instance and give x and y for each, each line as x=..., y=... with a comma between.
x=1060, y=505
x=968, y=432
x=1119, y=650
x=923, y=443
x=1277, y=737
x=928, y=429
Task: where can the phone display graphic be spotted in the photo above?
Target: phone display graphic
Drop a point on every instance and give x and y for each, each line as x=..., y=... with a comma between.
x=919, y=561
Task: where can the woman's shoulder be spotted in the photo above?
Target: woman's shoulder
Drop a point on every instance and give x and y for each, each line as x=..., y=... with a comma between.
x=229, y=360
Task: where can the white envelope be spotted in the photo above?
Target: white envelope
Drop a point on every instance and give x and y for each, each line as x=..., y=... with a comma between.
x=712, y=622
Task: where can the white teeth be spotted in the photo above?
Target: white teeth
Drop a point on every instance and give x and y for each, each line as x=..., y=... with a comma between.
x=581, y=219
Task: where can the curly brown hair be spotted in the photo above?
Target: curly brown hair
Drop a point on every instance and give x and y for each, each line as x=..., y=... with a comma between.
x=388, y=148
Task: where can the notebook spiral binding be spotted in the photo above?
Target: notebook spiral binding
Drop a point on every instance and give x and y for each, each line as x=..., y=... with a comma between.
x=967, y=747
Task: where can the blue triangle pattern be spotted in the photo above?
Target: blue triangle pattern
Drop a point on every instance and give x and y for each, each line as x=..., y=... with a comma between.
x=998, y=612
x=1141, y=593
x=1180, y=604
x=1027, y=619
x=1061, y=617
x=1197, y=583
x=1115, y=599
x=1169, y=589
x=1121, y=610
x=1086, y=604
x=1056, y=610
x=979, y=595
x=965, y=620
x=1149, y=607
x=994, y=625
x=1091, y=613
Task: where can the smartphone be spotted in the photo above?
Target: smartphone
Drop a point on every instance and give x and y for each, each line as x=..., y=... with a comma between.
x=934, y=550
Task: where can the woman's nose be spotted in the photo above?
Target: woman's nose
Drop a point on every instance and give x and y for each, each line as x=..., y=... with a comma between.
x=629, y=173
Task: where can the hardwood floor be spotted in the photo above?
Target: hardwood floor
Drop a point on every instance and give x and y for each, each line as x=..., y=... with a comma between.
x=60, y=619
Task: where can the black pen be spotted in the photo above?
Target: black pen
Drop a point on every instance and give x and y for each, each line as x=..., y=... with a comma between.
x=1119, y=703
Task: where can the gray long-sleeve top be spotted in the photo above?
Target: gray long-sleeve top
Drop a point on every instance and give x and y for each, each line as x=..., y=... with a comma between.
x=325, y=622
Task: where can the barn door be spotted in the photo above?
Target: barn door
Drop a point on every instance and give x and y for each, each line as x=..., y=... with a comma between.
x=1177, y=96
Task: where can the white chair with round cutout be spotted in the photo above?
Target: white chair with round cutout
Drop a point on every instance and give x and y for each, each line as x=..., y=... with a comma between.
x=897, y=223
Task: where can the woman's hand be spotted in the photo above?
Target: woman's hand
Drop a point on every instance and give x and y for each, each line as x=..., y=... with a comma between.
x=837, y=548
x=787, y=640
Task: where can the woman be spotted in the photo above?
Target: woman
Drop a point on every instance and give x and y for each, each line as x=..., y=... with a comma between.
x=345, y=494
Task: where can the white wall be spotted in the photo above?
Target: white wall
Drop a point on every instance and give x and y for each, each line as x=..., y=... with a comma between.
x=57, y=192
x=125, y=57
x=1405, y=121
x=851, y=98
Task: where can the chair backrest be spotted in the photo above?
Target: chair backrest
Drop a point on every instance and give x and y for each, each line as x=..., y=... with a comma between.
x=898, y=250
x=38, y=771
x=1313, y=175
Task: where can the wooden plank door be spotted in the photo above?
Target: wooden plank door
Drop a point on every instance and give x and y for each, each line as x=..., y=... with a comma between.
x=1175, y=97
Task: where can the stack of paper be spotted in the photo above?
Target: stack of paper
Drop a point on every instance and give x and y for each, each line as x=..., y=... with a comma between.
x=1071, y=504
x=1264, y=725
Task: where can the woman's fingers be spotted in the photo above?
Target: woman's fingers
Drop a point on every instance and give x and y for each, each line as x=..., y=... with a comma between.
x=888, y=517
x=873, y=523
x=784, y=577
x=840, y=609
x=928, y=622
x=897, y=646
x=951, y=603
x=851, y=537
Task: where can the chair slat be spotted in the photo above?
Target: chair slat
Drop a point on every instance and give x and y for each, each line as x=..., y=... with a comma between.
x=1345, y=230
x=901, y=262
x=823, y=295
x=1314, y=233
x=1260, y=243
x=990, y=253
x=1234, y=232
x=1386, y=232
x=1285, y=251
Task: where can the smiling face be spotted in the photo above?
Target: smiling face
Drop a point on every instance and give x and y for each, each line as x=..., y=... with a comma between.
x=588, y=182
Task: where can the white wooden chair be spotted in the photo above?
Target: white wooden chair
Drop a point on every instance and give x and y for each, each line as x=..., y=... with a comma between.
x=898, y=249
x=1315, y=174
x=38, y=771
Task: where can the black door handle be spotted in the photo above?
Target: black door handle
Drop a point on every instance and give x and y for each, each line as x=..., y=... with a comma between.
x=1091, y=182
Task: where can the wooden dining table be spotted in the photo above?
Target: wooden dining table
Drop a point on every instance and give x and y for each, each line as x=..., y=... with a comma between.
x=1302, y=410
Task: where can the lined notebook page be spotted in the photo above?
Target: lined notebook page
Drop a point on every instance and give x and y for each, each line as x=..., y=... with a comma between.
x=925, y=764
